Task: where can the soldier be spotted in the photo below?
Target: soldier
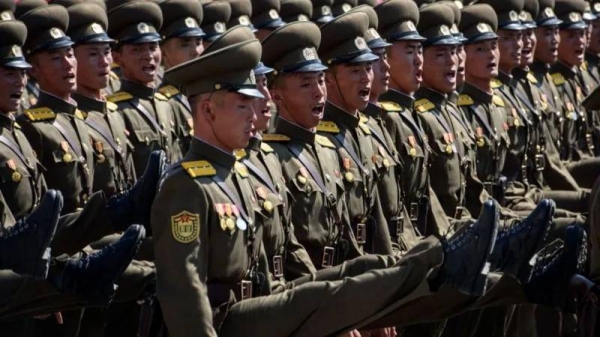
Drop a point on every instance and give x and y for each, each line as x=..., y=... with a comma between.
x=216, y=16
x=149, y=118
x=592, y=51
x=182, y=42
x=241, y=11
x=321, y=13
x=220, y=95
x=265, y=17
x=339, y=7
x=296, y=10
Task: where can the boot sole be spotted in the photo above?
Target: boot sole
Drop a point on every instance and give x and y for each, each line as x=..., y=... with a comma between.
x=41, y=268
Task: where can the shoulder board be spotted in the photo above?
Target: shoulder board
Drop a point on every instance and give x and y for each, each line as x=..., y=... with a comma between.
x=81, y=114
x=365, y=128
x=328, y=126
x=531, y=78
x=40, y=114
x=169, y=91
x=160, y=96
x=239, y=154
x=266, y=148
x=119, y=97
x=111, y=106
x=113, y=75
x=558, y=79
x=324, y=141
x=465, y=100
x=424, y=105
x=114, y=65
x=272, y=137
x=496, y=83
x=498, y=100
x=16, y=125
x=390, y=106
x=363, y=119
x=199, y=168
x=584, y=65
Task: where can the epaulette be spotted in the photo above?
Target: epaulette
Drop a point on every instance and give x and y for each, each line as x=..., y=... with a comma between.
x=160, y=96
x=16, y=125
x=363, y=119
x=390, y=106
x=114, y=65
x=584, y=65
x=199, y=168
x=112, y=107
x=328, y=126
x=464, y=100
x=496, y=83
x=81, y=114
x=273, y=137
x=266, y=148
x=424, y=105
x=40, y=114
x=169, y=91
x=498, y=100
x=113, y=75
x=558, y=79
x=119, y=97
x=364, y=127
x=324, y=141
x=240, y=154
x=531, y=78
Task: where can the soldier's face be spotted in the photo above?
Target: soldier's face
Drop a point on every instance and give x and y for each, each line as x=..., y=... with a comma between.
x=178, y=50
x=510, y=49
x=594, y=43
x=349, y=85
x=231, y=117
x=572, y=46
x=12, y=82
x=546, y=49
x=381, y=74
x=139, y=62
x=262, y=106
x=527, y=52
x=406, y=61
x=56, y=71
x=439, y=68
x=300, y=98
x=482, y=60
x=93, y=65
x=460, y=71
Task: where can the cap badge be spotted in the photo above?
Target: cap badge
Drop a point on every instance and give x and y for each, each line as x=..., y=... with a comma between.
x=16, y=51
x=458, y=4
x=346, y=7
x=454, y=29
x=302, y=17
x=309, y=54
x=4, y=16
x=574, y=17
x=513, y=16
x=444, y=30
x=597, y=6
x=56, y=33
x=549, y=12
x=374, y=33
x=273, y=14
x=411, y=26
x=244, y=20
x=143, y=28
x=219, y=27
x=96, y=28
x=252, y=77
x=360, y=43
x=325, y=10
x=523, y=16
x=190, y=22
x=483, y=27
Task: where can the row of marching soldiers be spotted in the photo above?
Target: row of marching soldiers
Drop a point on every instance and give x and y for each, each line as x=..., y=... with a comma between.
x=297, y=168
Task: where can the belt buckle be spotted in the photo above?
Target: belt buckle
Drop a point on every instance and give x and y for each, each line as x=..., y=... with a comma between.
x=414, y=211
x=278, y=266
x=459, y=212
x=540, y=162
x=361, y=233
x=328, y=254
x=245, y=290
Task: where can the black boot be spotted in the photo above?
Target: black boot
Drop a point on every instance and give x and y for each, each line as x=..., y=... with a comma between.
x=554, y=270
x=516, y=247
x=25, y=247
x=466, y=253
x=93, y=277
x=133, y=206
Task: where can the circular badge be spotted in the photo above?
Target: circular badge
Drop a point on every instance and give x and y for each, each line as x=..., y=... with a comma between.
x=302, y=17
x=56, y=33
x=374, y=33
x=16, y=176
x=444, y=30
x=309, y=54
x=190, y=22
x=523, y=16
x=513, y=16
x=360, y=43
x=143, y=28
x=5, y=16
x=67, y=158
x=96, y=28
x=273, y=14
x=244, y=20
x=346, y=7
x=16, y=51
x=597, y=7
x=482, y=27
x=549, y=12
x=411, y=26
x=574, y=17
x=219, y=27
x=325, y=10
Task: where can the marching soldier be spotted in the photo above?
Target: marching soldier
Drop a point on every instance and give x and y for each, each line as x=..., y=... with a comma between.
x=322, y=11
x=265, y=17
x=296, y=10
x=216, y=16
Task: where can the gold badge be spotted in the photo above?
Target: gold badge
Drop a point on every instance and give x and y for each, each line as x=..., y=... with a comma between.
x=219, y=27
x=185, y=227
x=444, y=30
x=325, y=10
x=96, y=28
x=412, y=152
x=410, y=26
x=513, y=16
x=244, y=20
x=301, y=179
x=309, y=54
x=16, y=176
x=482, y=27
x=449, y=149
x=142, y=27
x=549, y=12
x=360, y=43
x=268, y=206
x=190, y=22
x=56, y=33
x=5, y=16
x=241, y=169
x=574, y=17
x=16, y=51
x=101, y=158
x=480, y=142
x=346, y=7
x=349, y=176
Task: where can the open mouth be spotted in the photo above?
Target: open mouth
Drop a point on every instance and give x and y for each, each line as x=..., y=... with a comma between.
x=364, y=93
x=578, y=52
x=16, y=95
x=149, y=69
x=70, y=77
x=526, y=52
x=266, y=111
x=492, y=66
x=419, y=75
x=460, y=70
x=451, y=76
x=318, y=109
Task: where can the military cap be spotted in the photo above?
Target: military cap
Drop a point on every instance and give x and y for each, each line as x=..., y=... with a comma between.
x=112, y=4
x=588, y=14
x=265, y=14
x=595, y=7
x=262, y=69
x=546, y=15
x=343, y=40
x=69, y=3
x=13, y=35
x=398, y=20
x=296, y=10
x=230, y=37
x=507, y=12
x=457, y=16
x=570, y=12
x=216, y=16
x=292, y=48
x=7, y=8
x=371, y=3
x=342, y=6
x=181, y=18
x=46, y=28
x=25, y=6
x=241, y=11
x=87, y=23
x=372, y=37
x=434, y=24
x=230, y=68
x=478, y=23
x=421, y=3
x=322, y=11
x=135, y=23
x=530, y=11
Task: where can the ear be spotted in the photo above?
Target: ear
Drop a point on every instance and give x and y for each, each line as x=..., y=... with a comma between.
x=117, y=58
x=276, y=95
x=329, y=77
x=206, y=108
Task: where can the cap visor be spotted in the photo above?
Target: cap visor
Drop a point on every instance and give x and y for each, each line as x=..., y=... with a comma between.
x=512, y=26
x=379, y=43
x=273, y=24
x=324, y=19
x=19, y=64
x=62, y=43
x=366, y=57
x=250, y=92
x=574, y=25
x=450, y=40
x=99, y=39
x=144, y=39
x=550, y=22
x=311, y=68
x=589, y=16
x=529, y=25
x=483, y=37
x=261, y=70
x=195, y=32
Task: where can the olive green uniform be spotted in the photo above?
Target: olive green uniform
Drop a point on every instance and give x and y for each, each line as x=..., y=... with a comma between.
x=183, y=115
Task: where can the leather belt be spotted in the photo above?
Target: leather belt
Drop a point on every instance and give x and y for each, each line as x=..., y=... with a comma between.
x=219, y=293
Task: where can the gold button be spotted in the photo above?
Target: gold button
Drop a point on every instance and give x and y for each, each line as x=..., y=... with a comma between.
x=449, y=149
x=268, y=206
x=413, y=151
x=230, y=224
x=16, y=176
x=302, y=180
x=223, y=224
x=349, y=176
x=67, y=158
x=101, y=158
